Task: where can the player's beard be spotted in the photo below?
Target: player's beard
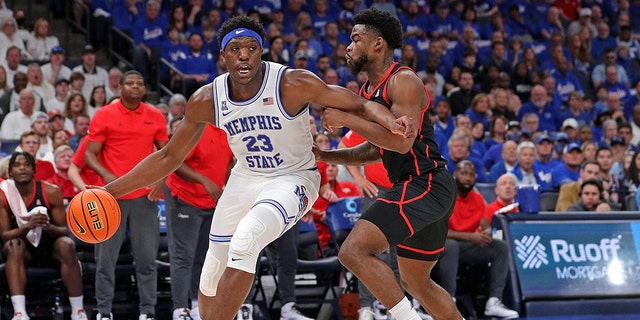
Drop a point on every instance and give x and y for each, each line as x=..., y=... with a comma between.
x=357, y=65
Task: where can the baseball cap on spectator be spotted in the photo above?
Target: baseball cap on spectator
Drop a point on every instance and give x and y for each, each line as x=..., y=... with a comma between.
x=304, y=26
x=39, y=117
x=617, y=140
x=57, y=49
x=55, y=113
x=514, y=124
x=603, y=145
x=570, y=123
x=544, y=137
x=561, y=137
x=442, y=5
x=88, y=49
x=602, y=111
x=526, y=132
x=300, y=54
x=585, y=12
x=572, y=147
x=61, y=80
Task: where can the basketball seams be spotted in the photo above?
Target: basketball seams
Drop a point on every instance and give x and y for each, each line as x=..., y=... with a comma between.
x=84, y=215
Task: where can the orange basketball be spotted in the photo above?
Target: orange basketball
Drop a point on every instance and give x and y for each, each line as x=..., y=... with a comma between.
x=93, y=216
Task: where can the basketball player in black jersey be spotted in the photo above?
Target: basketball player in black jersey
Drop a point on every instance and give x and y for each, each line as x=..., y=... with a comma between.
x=414, y=214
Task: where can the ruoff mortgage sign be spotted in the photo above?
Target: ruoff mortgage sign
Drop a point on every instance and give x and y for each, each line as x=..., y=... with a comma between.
x=577, y=259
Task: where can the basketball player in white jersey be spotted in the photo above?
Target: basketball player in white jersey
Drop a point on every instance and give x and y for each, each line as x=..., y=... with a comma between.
x=263, y=107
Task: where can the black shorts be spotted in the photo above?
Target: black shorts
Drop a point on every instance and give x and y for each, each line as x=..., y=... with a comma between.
x=414, y=214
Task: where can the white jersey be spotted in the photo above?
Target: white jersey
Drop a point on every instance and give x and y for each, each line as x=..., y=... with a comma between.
x=264, y=138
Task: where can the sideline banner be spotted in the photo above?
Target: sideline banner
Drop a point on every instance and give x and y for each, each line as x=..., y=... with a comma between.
x=570, y=259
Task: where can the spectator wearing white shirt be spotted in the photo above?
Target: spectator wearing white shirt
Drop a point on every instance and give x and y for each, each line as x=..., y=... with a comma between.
x=12, y=64
x=37, y=83
x=40, y=44
x=55, y=68
x=113, y=87
x=19, y=121
x=9, y=38
x=62, y=93
x=93, y=75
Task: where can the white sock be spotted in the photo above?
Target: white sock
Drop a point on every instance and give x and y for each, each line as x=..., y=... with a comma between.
x=18, y=302
x=76, y=304
x=194, y=304
x=287, y=307
x=403, y=310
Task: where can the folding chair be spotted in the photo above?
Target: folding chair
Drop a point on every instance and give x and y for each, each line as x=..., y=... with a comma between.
x=342, y=216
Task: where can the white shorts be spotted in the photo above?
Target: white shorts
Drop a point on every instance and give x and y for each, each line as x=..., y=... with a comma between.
x=292, y=195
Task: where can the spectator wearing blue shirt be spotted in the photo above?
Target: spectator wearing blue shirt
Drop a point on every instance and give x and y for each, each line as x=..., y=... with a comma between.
x=149, y=34
x=550, y=25
x=458, y=150
x=632, y=101
x=525, y=170
x=320, y=16
x=442, y=23
x=332, y=37
x=479, y=109
x=575, y=110
x=172, y=48
x=540, y=106
x=569, y=171
x=508, y=161
x=625, y=39
x=598, y=75
x=305, y=32
x=444, y=120
x=537, y=11
x=544, y=158
x=602, y=40
x=469, y=20
x=196, y=65
x=485, y=9
x=413, y=23
x=613, y=85
x=566, y=81
x=517, y=25
x=497, y=131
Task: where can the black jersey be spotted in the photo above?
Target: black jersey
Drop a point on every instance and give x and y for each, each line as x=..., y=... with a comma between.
x=424, y=156
x=39, y=199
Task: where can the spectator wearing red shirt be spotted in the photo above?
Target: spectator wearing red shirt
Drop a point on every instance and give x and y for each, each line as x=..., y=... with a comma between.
x=62, y=158
x=505, y=197
x=30, y=142
x=470, y=242
x=191, y=195
x=337, y=189
x=79, y=173
x=121, y=134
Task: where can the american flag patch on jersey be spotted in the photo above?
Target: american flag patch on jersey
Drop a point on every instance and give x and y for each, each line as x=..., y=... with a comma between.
x=267, y=101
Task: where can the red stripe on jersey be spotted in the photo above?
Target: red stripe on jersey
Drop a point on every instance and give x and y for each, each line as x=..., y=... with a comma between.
x=401, y=246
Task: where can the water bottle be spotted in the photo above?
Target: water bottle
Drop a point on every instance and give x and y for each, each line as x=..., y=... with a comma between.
x=58, y=311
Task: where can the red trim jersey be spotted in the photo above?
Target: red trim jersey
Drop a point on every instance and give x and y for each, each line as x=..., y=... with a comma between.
x=128, y=136
x=211, y=158
x=424, y=156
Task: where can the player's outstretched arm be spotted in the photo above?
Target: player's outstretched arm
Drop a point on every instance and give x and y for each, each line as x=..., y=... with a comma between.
x=198, y=113
x=312, y=89
x=364, y=153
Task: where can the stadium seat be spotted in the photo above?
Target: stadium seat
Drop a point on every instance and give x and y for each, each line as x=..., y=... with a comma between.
x=548, y=201
x=487, y=190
